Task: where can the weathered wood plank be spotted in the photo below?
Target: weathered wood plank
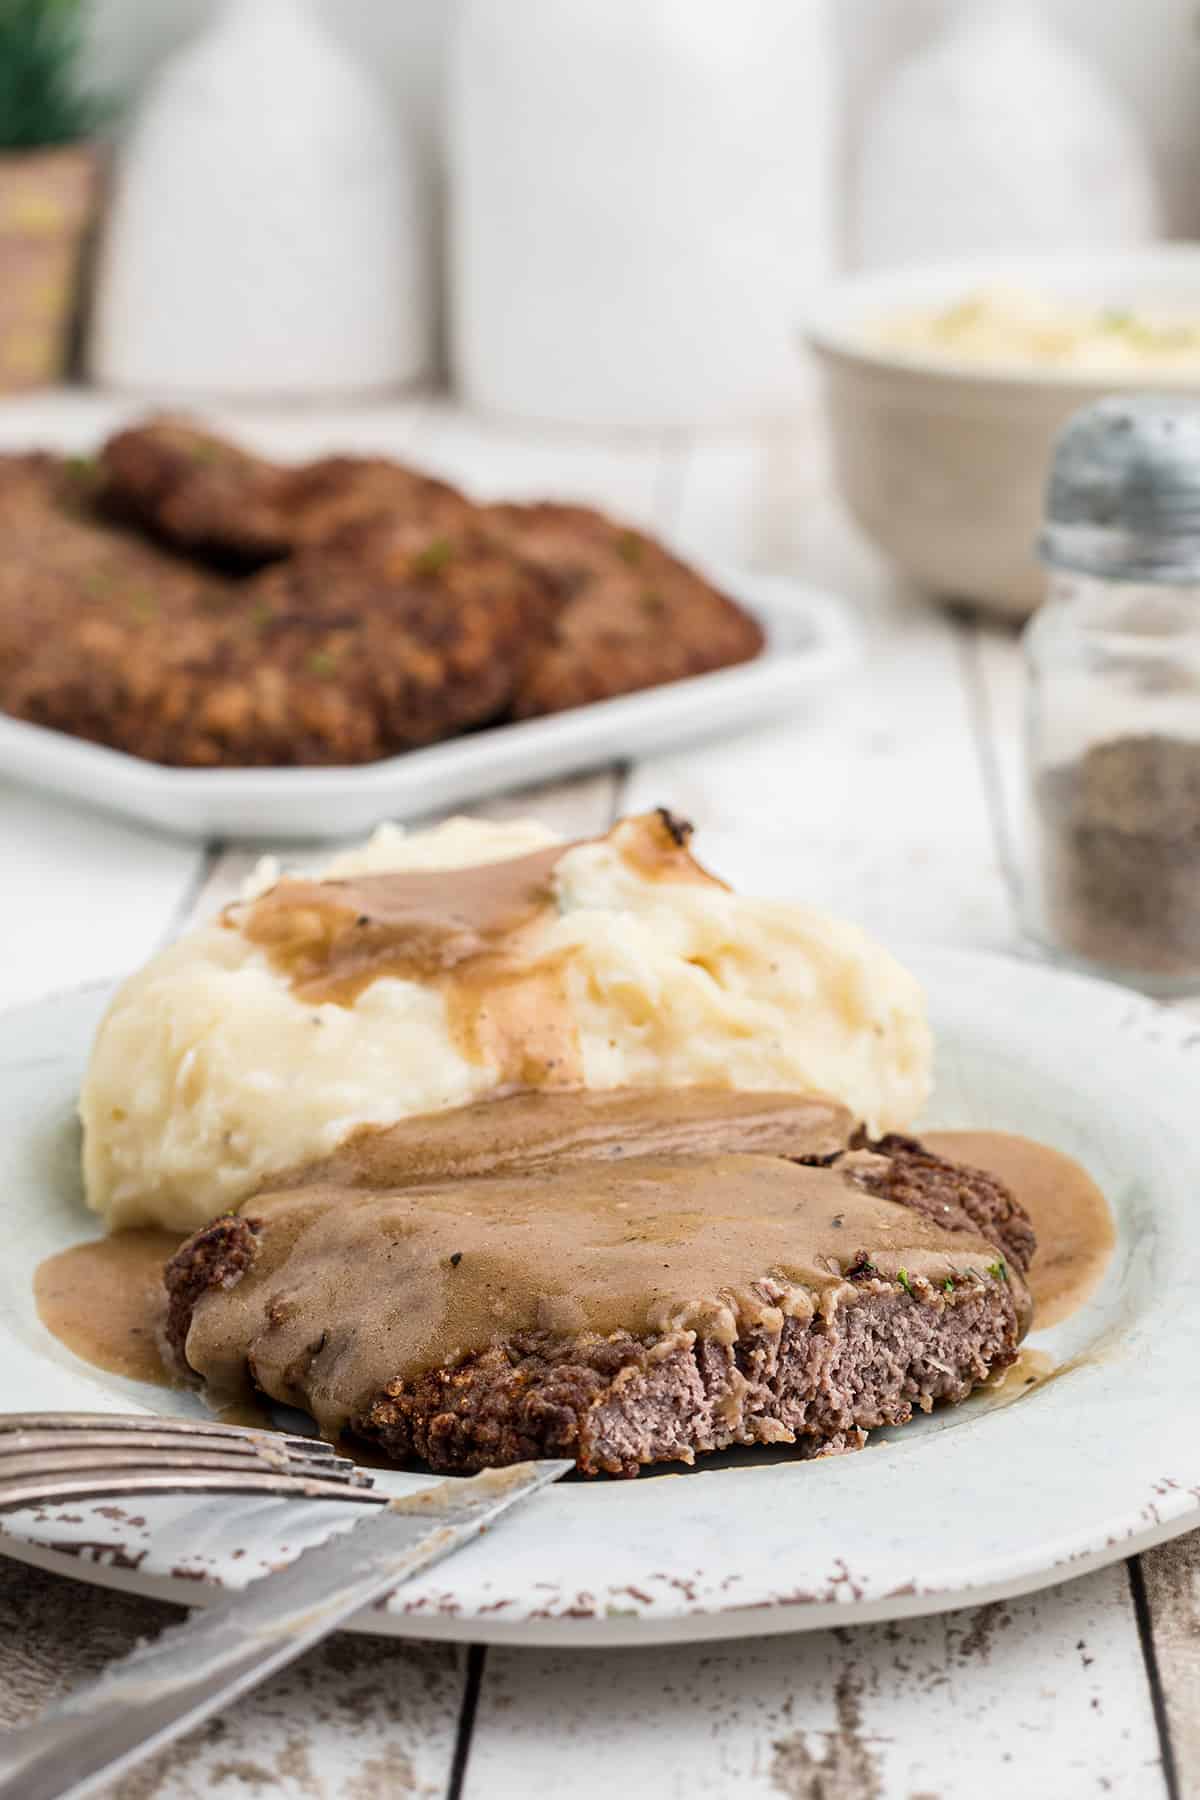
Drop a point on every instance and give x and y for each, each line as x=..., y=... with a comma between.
x=356, y=1719
x=1043, y=1697
x=508, y=462
x=995, y=671
x=871, y=804
x=1171, y=1575
x=85, y=896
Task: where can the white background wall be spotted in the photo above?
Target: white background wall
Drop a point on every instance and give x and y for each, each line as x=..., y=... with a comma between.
x=1149, y=48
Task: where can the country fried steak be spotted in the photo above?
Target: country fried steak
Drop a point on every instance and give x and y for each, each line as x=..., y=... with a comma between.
x=392, y=638
x=201, y=493
x=678, y=1307
x=191, y=603
x=395, y=640
x=633, y=615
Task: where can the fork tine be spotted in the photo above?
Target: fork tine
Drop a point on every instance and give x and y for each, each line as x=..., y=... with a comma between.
x=98, y=1445
x=68, y=1421
x=60, y=1461
x=114, y=1484
x=48, y=1457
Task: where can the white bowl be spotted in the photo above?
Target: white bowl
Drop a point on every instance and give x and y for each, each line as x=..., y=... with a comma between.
x=942, y=462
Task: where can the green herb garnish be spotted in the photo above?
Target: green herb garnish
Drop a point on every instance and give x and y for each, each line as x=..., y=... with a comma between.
x=323, y=662
x=433, y=559
x=948, y=1285
x=998, y=1270
x=902, y=1278
x=43, y=99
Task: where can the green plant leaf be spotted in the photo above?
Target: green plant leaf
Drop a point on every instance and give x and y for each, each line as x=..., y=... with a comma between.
x=41, y=99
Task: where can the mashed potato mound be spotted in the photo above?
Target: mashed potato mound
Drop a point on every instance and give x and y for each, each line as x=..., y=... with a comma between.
x=208, y=1072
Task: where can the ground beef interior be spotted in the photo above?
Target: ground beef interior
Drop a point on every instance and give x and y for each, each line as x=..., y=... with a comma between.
x=616, y=1405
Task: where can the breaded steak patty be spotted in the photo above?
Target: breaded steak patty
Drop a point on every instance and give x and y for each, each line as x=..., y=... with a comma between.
x=345, y=1301
x=633, y=615
x=206, y=495
x=188, y=602
x=396, y=639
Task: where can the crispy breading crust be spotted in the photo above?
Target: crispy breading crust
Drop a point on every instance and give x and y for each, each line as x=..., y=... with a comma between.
x=192, y=604
x=344, y=654
x=633, y=616
x=205, y=495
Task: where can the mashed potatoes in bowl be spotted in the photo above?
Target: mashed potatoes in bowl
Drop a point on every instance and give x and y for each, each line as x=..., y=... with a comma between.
x=215, y=1067
x=946, y=385
x=1018, y=328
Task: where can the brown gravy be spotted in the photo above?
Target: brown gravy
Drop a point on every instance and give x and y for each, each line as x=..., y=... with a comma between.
x=105, y=1301
x=351, y=1289
x=701, y=1187
x=1070, y=1215
x=549, y=1130
x=476, y=933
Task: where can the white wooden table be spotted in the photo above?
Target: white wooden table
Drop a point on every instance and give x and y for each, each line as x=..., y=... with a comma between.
x=893, y=804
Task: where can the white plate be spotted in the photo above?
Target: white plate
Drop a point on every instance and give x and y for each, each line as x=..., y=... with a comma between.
x=972, y=1504
x=810, y=642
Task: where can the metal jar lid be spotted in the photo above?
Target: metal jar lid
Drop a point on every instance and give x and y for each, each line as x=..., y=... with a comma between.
x=1123, y=495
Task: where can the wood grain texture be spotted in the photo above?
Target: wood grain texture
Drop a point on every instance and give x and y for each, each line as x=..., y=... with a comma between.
x=355, y=1719
x=1038, y=1697
x=872, y=803
x=83, y=895
x=493, y=461
x=1172, y=1582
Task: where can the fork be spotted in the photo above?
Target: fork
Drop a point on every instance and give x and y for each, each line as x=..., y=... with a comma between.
x=48, y=1457
x=190, y=1671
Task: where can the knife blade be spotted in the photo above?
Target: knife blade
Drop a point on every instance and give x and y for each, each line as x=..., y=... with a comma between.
x=162, y=1688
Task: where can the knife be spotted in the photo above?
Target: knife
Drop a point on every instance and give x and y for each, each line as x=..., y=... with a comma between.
x=189, y=1671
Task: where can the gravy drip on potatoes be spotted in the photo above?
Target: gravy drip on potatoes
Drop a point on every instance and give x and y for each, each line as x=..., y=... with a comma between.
x=106, y=1302
x=474, y=932
x=1074, y=1226
x=351, y=1289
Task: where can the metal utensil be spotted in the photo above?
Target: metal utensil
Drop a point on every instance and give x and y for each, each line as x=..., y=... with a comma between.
x=162, y=1688
x=49, y=1457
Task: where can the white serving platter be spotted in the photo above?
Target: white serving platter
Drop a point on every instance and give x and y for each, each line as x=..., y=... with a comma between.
x=811, y=642
x=1010, y=1492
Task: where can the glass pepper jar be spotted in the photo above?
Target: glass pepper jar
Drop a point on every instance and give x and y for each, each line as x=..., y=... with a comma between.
x=1112, y=880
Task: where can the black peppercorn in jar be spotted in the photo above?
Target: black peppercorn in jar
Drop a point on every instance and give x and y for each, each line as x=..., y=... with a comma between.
x=1113, y=699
